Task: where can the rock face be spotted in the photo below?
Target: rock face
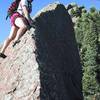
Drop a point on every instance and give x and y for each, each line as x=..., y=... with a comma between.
x=45, y=65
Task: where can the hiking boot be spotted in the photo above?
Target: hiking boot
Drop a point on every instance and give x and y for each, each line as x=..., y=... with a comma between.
x=16, y=42
x=2, y=55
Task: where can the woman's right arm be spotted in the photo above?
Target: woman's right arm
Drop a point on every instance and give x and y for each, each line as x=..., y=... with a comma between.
x=26, y=13
x=24, y=6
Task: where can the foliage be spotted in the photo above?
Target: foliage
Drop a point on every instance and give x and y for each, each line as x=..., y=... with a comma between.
x=87, y=31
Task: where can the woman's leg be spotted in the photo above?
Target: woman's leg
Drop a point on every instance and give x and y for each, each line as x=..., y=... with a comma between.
x=12, y=35
x=20, y=23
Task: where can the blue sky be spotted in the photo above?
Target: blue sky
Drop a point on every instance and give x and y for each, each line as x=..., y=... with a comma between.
x=37, y=5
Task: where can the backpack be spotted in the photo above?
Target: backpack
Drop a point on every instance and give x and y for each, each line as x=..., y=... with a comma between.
x=29, y=7
x=13, y=8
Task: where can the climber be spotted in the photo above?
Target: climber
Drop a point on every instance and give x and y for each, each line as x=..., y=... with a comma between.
x=20, y=22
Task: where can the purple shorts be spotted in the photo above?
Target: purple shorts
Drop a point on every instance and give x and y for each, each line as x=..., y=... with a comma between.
x=16, y=15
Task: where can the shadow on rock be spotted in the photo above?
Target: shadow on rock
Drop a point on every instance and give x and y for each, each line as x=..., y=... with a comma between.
x=58, y=56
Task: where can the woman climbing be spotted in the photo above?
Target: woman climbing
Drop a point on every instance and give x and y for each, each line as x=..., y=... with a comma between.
x=20, y=22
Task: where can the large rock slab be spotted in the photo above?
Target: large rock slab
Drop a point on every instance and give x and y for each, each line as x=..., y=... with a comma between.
x=45, y=65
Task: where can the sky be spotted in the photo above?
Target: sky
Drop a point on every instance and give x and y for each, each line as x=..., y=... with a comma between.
x=37, y=5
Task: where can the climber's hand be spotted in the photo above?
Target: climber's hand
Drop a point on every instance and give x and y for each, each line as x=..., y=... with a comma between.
x=30, y=22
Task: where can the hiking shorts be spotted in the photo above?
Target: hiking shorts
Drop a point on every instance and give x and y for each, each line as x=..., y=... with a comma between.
x=16, y=15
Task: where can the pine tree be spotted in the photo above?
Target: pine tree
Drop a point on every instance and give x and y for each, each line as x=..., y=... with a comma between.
x=87, y=34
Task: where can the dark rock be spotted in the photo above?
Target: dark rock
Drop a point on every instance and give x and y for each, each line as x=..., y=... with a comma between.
x=58, y=56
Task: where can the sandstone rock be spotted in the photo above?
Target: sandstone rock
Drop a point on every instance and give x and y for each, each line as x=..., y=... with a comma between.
x=17, y=80
x=45, y=65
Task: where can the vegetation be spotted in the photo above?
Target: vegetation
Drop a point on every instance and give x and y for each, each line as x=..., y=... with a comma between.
x=87, y=31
